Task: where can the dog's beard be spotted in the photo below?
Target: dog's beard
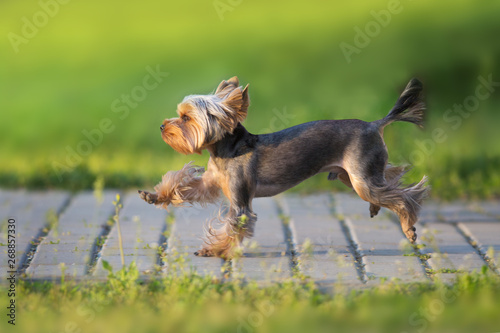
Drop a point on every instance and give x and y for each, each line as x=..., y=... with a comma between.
x=193, y=135
x=186, y=138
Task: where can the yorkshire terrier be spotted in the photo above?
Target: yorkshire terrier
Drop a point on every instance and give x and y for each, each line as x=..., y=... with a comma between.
x=245, y=166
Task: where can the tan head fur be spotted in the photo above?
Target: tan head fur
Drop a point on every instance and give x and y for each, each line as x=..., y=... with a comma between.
x=205, y=119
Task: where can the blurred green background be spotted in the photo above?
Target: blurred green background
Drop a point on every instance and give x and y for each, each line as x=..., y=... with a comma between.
x=74, y=60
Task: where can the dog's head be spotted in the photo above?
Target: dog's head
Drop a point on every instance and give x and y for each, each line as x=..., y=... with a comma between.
x=205, y=119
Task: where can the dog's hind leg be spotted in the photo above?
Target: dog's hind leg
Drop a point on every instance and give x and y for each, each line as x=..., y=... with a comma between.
x=344, y=178
x=374, y=209
x=380, y=184
x=392, y=174
x=405, y=201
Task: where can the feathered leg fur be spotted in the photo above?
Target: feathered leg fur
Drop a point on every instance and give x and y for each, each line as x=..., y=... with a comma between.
x=188, y=185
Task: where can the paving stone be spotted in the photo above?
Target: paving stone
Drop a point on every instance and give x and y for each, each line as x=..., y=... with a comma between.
x=186, y=238
x=52, y=253
x=327, y=258
x=393, y=267
x=460, y=212
x=142, y=226
x=448, y=249
x=29, y=209
x=265, y=256
x=83, y=213
x=381, y=243
x=490, y=208
x=351, y=204
x=429, y=212
x=456, y=261
x=7, y=199
x=54, y=271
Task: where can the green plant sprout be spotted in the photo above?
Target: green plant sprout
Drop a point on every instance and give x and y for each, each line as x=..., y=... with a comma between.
x=116, y=218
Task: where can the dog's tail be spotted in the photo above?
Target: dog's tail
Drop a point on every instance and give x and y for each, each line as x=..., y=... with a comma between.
x=409, y=106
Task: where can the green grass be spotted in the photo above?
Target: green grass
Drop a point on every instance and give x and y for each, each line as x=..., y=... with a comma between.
x=66, y=78
x=190, y=303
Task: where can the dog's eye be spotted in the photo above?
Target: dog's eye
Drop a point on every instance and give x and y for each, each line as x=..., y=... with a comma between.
x=185, y=118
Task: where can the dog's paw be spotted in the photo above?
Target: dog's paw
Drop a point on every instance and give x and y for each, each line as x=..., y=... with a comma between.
x=374, y=209
x=411, y=234
x=150, y=198
x=204, y=253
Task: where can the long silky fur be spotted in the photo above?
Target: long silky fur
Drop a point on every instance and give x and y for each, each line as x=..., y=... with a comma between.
x=409, y=107
x=404, y=200
x=185, y=186
x=224, y=240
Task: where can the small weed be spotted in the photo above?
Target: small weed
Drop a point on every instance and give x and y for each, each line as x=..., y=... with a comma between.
x=449, y=270
x=101, y=240
x=124, y=280
x=98, y=187
x=420, y=256
x=242, y=221
x=116, y=218
x=52, y=222
x=339, y=216
x=63, y=268
x=285, y=219
x=208, y=304
x=444, y=270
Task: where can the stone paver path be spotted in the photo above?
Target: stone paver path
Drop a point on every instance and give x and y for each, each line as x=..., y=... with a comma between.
x=328, y=238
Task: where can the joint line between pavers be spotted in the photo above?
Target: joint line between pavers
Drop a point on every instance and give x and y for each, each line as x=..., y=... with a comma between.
x=289, y=232
x=352, y=239
x=97, y=246
x=425, y=264
x=474, y=242
x=355, y=247
x=163, y=242
x=29, y=254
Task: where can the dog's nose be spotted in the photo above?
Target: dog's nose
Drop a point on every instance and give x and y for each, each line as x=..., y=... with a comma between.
x=162, y=127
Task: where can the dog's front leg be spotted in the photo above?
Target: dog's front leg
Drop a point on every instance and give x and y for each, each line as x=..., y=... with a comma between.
x=188, y=185
x=222, y=242
x=239, y=221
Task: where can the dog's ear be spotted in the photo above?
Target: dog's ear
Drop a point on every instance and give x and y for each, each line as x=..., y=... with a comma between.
x=236, y=104
x=234, y=81
x=246, y=101
x=226, y=86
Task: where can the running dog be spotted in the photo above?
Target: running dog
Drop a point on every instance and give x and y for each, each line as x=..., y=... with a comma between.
x=244, y=166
